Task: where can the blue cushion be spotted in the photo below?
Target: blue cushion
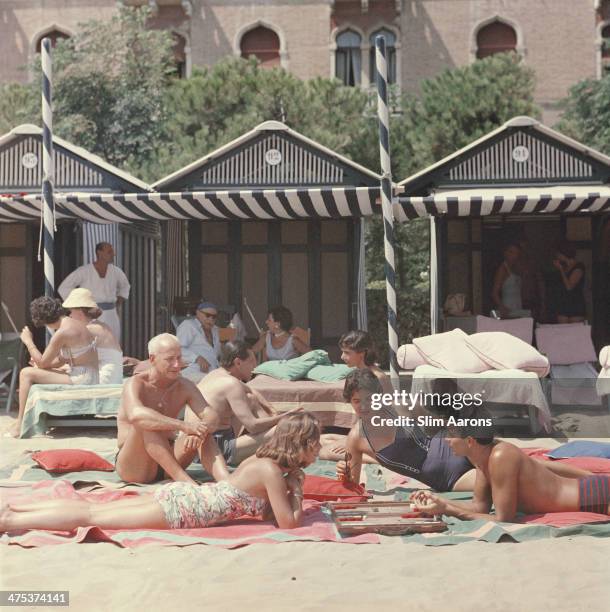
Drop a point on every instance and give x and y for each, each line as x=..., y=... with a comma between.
x=581, y=448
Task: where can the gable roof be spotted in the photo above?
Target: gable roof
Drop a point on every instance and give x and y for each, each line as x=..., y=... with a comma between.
x=76, y=169
x=550, y=157
x=299, y=161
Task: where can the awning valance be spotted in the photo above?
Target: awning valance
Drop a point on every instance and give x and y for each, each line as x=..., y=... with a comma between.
x=499, y=201
x=336, y=202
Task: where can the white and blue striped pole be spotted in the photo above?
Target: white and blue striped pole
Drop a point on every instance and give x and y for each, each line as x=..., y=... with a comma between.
x=386, y=203
x=48, y=169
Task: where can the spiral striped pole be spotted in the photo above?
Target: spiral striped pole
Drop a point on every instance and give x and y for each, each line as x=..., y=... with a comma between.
x=48, y=169
x=386, y=203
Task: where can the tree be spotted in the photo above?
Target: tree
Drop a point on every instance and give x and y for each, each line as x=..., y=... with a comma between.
x=587, y=113
x=109, y=83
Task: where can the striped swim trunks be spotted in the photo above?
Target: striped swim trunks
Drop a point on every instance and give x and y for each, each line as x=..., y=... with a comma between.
x=594, y=493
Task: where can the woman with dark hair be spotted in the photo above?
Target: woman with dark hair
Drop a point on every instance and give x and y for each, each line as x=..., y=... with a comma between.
x=269, y=485
x=357, y=351
x=278, y=341
x=71, y=344
x=570, y=304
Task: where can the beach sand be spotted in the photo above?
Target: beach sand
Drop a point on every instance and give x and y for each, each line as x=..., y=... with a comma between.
x=564, y=574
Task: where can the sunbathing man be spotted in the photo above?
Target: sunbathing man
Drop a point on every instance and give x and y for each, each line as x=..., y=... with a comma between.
x=147, y=420
x=231, y=407
x=513, y=482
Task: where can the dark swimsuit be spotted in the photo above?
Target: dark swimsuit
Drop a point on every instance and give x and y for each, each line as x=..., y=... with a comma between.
x=225, y=439
x=428, y=459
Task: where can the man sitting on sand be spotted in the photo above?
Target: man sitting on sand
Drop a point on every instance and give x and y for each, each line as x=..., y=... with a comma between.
x=147, y=421
x=231, y=407
x=513, y=482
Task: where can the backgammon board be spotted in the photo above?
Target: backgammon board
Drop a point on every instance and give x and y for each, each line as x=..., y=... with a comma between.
x=386, y=518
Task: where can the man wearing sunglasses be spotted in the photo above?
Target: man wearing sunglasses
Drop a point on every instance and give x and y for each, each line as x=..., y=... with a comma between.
x=200, y=342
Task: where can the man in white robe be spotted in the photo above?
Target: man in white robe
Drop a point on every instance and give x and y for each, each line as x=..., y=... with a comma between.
x=107, y=283
x=200, y=342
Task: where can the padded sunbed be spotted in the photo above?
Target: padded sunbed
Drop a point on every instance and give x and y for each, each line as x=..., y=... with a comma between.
x=70, y=405
x=324, y=400
x=502, y=389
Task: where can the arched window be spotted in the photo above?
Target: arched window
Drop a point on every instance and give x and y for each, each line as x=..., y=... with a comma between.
x=264, y=44
x=605, y=50
x=390, y=46
x=348, y=58
x=54, y=35
x=179, y=49
x=496, y=37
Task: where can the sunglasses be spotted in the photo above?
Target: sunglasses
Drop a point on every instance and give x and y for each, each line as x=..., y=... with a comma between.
x=209, y=315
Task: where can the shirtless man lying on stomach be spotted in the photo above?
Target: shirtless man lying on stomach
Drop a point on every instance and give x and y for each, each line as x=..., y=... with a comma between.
x=513, y=482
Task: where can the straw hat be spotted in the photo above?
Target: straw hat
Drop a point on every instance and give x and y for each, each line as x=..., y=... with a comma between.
x=80, y=298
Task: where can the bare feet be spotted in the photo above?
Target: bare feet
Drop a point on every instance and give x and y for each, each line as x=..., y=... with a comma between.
x=4, y=518
x=15, y=429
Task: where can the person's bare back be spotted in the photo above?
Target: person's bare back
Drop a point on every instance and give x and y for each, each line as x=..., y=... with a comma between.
x=216, y=388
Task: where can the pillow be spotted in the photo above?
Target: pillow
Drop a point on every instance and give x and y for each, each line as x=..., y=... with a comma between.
x=581, y=448
x=329, y=373
x=449, y=351
x=504, y=351
x=566, y=344
x=604, y=357
x=321, y=488
x=61, y=461
x=522, y=328
x=293, y=369
x=409, y=357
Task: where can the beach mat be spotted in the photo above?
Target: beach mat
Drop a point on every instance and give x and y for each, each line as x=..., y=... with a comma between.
x=317, y=527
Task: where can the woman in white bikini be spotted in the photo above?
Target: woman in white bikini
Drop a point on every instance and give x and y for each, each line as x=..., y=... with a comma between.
x=268, y=484
x=72, y=344
x=83, y=308
x=278, y=342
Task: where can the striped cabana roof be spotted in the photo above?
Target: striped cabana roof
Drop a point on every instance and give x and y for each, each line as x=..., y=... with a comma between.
x=265, y=204
x=500, y=201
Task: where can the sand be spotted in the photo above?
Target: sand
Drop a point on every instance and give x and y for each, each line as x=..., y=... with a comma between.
x=563, y=574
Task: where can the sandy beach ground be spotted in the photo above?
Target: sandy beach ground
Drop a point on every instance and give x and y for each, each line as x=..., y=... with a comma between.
x=564, y=574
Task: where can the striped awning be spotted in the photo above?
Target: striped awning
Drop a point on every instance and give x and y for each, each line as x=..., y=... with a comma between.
x=333, y=202
x=498, y=201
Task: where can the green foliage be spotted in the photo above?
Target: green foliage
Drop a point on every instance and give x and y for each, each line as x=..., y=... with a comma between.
x=587, y=113
x=118, y=100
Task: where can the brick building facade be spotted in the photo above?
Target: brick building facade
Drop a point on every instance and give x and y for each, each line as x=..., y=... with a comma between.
x=564, y=41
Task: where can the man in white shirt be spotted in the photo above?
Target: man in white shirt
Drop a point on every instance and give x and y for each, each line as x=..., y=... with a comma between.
x=200, y=342
x=107, y=283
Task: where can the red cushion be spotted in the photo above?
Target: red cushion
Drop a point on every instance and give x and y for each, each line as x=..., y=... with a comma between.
x=71, y=460
x=321, y=488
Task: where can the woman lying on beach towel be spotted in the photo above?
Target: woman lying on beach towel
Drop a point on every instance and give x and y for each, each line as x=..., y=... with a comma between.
x=268, y=484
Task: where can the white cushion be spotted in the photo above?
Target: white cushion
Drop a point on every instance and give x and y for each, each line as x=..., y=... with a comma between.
x=604, y=357
x=409, y=357
x=522, y=328
x=449, y=351
x=503, y=351
x=566, y=344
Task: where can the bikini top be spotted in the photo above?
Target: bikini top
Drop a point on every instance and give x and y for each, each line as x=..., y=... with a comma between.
x=71, y=353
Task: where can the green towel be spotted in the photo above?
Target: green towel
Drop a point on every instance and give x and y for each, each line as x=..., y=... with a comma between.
x=293, y=369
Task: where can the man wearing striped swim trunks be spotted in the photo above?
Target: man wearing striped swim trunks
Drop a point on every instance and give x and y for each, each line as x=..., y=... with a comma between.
x=513, y=482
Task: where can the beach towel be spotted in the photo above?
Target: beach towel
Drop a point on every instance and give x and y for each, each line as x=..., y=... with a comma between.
x=317, y=527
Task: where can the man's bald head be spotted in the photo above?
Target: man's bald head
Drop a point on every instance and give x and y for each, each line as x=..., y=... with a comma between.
x=162, y=342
